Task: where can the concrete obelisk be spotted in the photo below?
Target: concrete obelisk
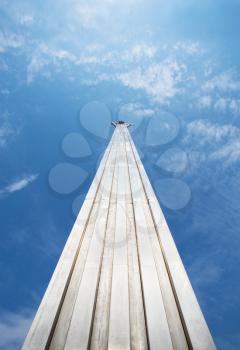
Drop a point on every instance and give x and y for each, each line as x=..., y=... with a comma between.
x=120, y=283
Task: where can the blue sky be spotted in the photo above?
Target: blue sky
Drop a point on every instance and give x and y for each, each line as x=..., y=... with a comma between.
x=67, y=68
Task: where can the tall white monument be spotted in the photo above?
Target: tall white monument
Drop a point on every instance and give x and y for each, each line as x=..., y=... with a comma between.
x=120, y=283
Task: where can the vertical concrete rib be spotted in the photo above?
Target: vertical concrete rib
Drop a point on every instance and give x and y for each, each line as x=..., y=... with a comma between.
x=119, y=325
x=44, y=323
x=99, y=339
x=172, y=315
x=157, y=324
x=80, y=329
x=62, y=327
x=178, y=337
x=139, y=338
x=194, y=324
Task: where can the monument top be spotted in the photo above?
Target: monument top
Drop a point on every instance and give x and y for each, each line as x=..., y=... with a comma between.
x=121, y=122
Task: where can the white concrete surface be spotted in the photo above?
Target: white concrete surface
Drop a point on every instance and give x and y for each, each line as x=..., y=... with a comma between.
x=120, y=283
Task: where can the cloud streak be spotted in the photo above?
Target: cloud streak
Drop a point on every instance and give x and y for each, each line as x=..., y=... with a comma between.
x=8, y=130
x=18, y=185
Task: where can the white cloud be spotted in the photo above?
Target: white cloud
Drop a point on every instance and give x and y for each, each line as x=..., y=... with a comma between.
x=108, y=58
x=160, y=81
x=204, y=101
x=227, y=104
x=56, y=54
x=34, y=67
x=18, y=185
x=234, y=106
x=221, y=104
x=100, y=78
x=45, y=55
x=208, y=67
x=97, y=55
x=207, y=131
x=222, y=141
x=229, y=152
x=13, y=328
x=190, y=48
x=7, y=131
x=225, y=82
x=93, y=14
x=26, y=19
x=10, y=41
x=136, y=109
x=139, y=51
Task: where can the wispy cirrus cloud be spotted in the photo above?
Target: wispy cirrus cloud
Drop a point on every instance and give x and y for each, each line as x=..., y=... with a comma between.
x=5, y=133
x=212, y=142
x=136, y=110
x=224, y=104
x=141, y=66
x=96, y=55
x=26, y=19
x=14, y=327
x=221, y=93
x=7, y=130
x=224, y=82
x=93, y=14
x=18, y=184
x=9, y=40
x=190, y=47
x=45, y=55
x=220, y=104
